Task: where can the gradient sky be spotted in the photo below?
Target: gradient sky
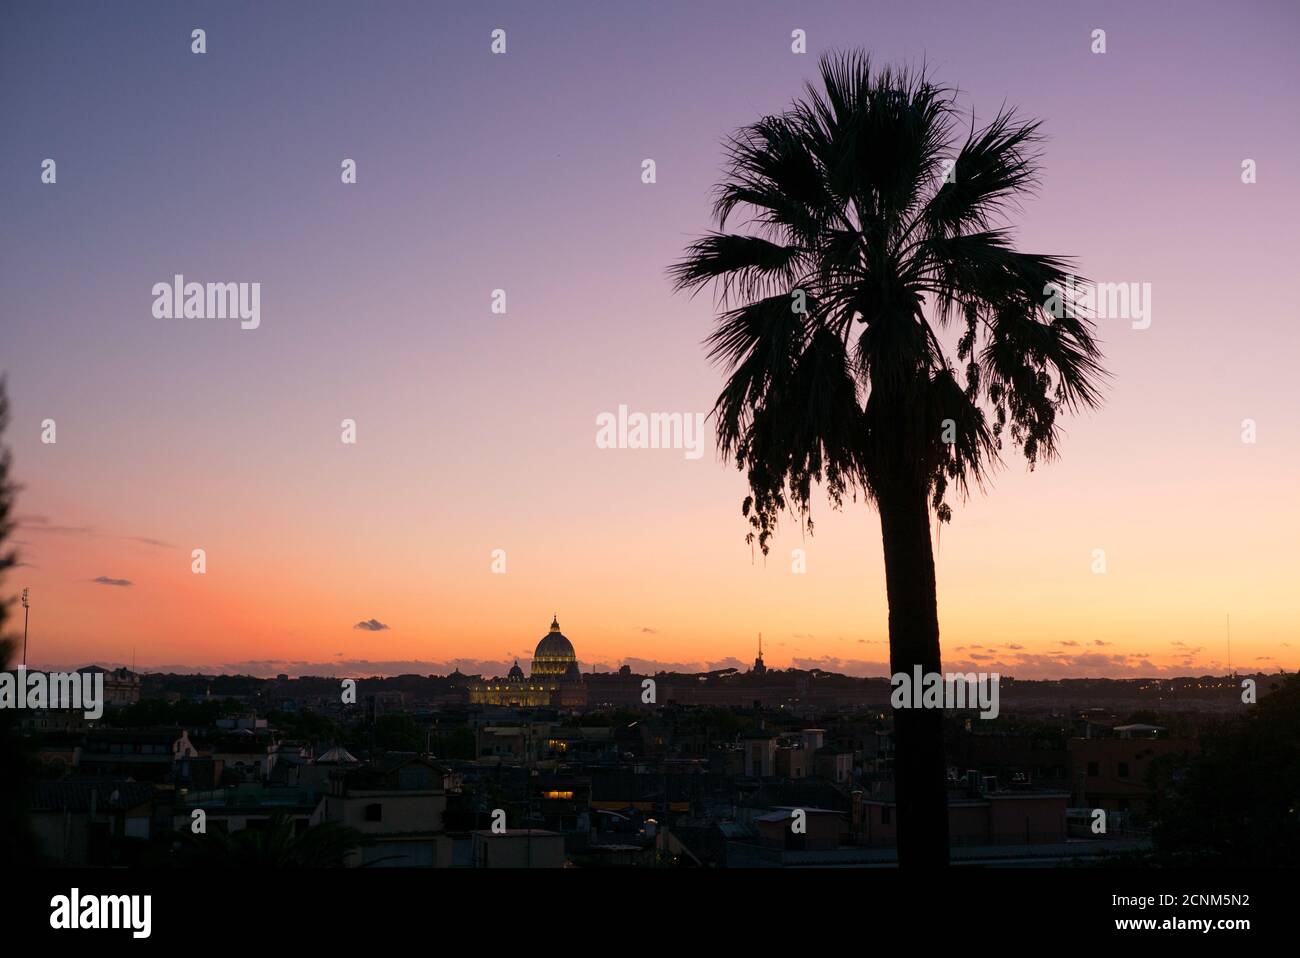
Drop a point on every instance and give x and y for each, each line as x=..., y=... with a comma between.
x=476, y=431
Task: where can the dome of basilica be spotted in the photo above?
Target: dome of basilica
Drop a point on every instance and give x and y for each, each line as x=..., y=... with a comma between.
x=554, y=654
x=555, y=682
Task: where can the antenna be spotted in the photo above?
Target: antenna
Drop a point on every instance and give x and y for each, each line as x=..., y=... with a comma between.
x=1228, y=618
x=27, y=607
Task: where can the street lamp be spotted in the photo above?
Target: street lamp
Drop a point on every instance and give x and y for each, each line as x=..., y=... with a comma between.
x=26, y=613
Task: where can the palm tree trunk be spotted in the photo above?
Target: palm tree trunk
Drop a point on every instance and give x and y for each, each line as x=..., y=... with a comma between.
x=920, y=768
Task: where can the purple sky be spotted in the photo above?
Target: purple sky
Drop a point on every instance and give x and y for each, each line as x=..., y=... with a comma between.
x=522, y=172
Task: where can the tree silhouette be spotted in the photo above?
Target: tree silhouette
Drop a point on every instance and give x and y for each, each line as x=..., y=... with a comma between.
x=17, y=845
x=1236, y=802
x=277, y=846
x=871, y=236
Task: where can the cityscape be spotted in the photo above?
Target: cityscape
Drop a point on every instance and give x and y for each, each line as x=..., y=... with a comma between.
x=555, y=767
x=648, y=471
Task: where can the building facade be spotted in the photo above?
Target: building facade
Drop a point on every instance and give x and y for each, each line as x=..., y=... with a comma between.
x=555, y=680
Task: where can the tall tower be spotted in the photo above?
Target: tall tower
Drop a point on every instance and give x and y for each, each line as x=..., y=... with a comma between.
x=759, y=667
x=1228, y=621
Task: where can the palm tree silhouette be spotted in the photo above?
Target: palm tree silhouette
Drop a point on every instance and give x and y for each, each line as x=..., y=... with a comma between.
x=870, y=236
x=277, y=846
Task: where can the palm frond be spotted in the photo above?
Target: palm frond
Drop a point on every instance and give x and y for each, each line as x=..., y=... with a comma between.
x=842, y=196
x=745, y=266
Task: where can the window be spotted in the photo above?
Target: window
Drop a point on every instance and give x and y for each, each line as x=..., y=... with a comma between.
x=1093, y=770
x=1123, y=769
x=374, y=812
x=884, y=814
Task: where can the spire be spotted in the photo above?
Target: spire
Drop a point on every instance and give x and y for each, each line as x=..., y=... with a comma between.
x=555, y=623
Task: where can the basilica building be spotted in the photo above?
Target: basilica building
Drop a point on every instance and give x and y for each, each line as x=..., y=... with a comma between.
x=555, y=679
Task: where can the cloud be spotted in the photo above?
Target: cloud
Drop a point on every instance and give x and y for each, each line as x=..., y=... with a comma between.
x=648, y=630
x=43, y=524
x=39, y=524
x=1056, y=664
x=105, y=580
x=831, y=663
x=349, y=668
x=371, y=625
x=652, y=666
x=145, y=540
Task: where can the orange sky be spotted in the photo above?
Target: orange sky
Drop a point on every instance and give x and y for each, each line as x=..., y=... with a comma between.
x=666, y=576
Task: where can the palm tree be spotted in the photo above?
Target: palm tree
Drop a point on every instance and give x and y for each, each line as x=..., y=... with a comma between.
x=277, y=846
x=871, y=243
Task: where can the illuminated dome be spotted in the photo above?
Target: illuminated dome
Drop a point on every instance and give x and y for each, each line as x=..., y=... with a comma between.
x=554, y=654
x=556, y=682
